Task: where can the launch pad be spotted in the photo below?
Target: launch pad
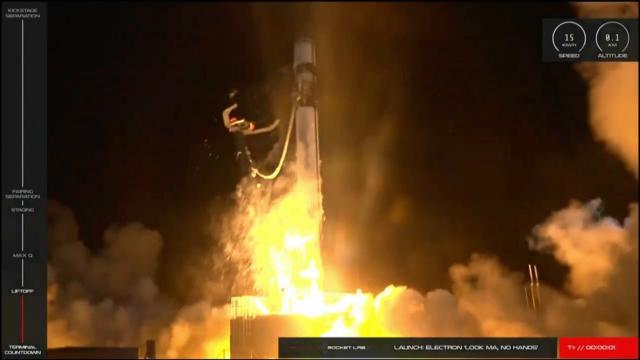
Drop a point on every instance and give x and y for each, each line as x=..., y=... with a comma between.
x=257, y=337
x=255, y=328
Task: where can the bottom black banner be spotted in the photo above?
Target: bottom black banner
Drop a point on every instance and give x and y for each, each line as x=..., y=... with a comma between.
x=395, y=348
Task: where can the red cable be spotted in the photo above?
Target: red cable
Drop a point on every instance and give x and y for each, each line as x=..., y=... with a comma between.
x=22, y=319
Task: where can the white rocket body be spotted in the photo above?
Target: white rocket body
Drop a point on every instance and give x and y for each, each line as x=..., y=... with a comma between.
x=307, y=151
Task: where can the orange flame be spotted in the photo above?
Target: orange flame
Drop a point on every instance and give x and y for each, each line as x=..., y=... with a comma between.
x=286, y=267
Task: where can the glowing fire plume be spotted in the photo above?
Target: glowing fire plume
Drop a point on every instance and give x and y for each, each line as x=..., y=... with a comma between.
x=286, y=266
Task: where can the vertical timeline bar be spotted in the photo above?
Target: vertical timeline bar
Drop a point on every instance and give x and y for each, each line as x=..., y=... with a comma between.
x=22, y=103
x=24, y=180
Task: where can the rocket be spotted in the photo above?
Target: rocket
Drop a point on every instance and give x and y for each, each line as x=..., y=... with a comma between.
x=307, y=164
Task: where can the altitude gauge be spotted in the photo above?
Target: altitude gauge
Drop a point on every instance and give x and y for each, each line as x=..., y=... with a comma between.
x=612, y=37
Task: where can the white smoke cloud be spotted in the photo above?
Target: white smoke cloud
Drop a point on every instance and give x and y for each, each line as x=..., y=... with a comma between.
x=111, y=298
x=600, y=298
x=613, y=102
x=592, y=247
x=602, y=256
x=486, y=299
x=607, y=9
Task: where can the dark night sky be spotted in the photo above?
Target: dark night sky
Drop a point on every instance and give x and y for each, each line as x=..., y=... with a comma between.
x=487, y=140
